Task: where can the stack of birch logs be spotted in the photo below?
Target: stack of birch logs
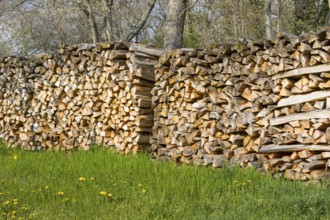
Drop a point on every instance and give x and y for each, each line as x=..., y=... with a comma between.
x=84, y=94
x=234, y=103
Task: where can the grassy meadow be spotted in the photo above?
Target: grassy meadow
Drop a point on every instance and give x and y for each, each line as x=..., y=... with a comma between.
x=100, y=184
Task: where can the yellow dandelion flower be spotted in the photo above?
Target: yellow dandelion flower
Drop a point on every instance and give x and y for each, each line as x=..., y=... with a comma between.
x=140, y=185
x=47, y=187
x=92, y=179
x=4, y=213
x=15, y=201
x=102, y=193
x=60, y=193
x=13, y=212
x=65, y=199
x=144, y=190
x=110, y=195
x=15, y=157
x=82, y=179
x=6, y=202
x=24, y=208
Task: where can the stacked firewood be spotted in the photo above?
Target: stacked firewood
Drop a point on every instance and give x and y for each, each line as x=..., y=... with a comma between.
x=85, y=94
x=260, y=104
x=299, y=130
x=254, y=103
x=210, y=105
x=16, y=90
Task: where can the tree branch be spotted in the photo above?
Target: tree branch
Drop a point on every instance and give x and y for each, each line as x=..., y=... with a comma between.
x=143, y=20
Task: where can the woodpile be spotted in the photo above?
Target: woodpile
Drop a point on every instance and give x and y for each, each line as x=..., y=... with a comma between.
x=299, y=131
x=84, y=94
x=209, y=104
x=261, y=104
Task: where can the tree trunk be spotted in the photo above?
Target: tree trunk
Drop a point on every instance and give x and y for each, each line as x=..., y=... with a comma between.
x=92, y=22
x=237, y=18
x=268, y=19
x=142, y=22
x=279, y=12
x=175, y=24
x=108, y=18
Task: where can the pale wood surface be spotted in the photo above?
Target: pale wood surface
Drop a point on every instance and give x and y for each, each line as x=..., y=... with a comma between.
x=303, y=71
x=318, y=114
x=293, y=148
x=296, y=99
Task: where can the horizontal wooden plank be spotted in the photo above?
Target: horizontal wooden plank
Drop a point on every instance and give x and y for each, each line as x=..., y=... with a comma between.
x=303, y=71
x=145, y=50
x=297, y=99
x=300, y=116
x=292, y=148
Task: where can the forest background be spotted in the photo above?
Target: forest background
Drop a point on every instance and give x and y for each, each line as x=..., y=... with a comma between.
x=37, y=26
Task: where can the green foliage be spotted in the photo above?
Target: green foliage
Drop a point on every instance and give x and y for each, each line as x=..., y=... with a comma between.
x=304, y=17
x=157, y=41
x=99, y=184
x=191, y=37
x=192, y=34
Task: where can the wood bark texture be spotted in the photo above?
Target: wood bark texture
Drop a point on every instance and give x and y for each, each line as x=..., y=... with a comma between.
x=174, y=27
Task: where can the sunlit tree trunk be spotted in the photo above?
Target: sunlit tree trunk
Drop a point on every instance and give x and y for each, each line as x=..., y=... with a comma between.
x=268, y=19
x=173, y=33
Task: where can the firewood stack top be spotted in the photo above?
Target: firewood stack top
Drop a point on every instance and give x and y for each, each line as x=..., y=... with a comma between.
x=83, y=94
x=264, y=104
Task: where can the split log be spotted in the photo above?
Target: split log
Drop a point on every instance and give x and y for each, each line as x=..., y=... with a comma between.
x=293, y=148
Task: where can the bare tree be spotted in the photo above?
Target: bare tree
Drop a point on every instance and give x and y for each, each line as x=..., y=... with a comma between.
x=86, y=8
x=174, y=27
x=33, y=26
x=136, y=30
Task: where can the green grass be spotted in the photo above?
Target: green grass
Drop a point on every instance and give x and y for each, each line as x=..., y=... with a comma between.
x=146, y=189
